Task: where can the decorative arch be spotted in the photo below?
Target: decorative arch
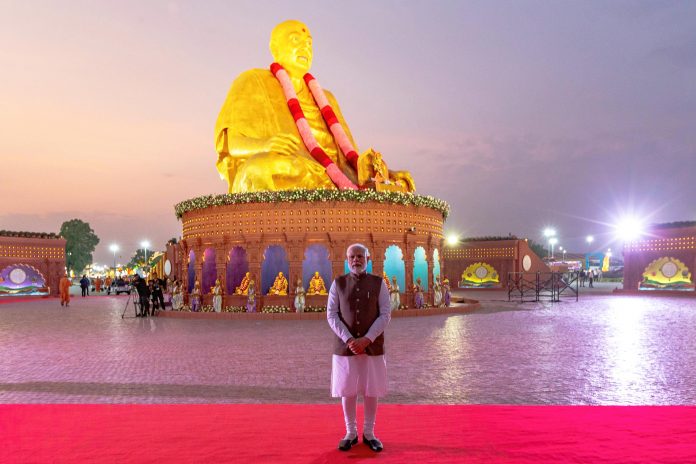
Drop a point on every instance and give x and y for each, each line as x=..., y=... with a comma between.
x=667, y=273
x=479, y=275
x=22, y=279
x=316, y=259
x=275, y=260
x=394, y=265
x=237, y=267
x=208, y=271
x=420, y=267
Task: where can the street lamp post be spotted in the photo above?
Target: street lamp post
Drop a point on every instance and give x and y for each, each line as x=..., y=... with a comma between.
x=589, y=239
x=145, y=245
x=549, y=233
x=552, y=242
x=114, y=249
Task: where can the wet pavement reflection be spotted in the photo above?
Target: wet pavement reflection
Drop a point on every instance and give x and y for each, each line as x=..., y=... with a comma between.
x=602, y=350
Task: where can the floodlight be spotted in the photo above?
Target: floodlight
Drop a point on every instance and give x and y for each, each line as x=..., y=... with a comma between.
x=629, y=229
x=452, y=239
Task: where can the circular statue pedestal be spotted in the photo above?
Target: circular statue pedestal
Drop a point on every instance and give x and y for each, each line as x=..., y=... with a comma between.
x=296, y=220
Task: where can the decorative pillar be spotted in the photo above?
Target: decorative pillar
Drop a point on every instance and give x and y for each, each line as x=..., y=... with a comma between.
x=255, y=251
x=295, y=250
x=338, y=259
x=430, y=267
x=408, y=268
x=378, y=260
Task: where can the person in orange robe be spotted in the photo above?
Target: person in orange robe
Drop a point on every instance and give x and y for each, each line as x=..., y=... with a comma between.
x=64, y=288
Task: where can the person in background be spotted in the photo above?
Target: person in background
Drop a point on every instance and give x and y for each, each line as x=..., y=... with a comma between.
x=64, y=289
x=196, y=297
x=84, y=285
x=143, y=295
x=157, y=287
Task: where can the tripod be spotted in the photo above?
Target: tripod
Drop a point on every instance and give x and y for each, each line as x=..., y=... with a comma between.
x=133, y=300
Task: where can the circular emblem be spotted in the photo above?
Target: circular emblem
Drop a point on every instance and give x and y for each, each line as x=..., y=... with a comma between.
x=669, y=269
x=526, y=262
x=17, y=276
x=481, y=272
x=167, y=267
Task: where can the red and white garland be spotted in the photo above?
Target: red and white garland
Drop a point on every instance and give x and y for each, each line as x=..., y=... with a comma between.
x=329, y=116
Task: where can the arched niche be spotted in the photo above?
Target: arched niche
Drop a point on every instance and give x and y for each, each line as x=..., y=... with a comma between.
x=420, y=267
x=237, y=267
x=275, y=260
x=394, y=266
x=316, y=259
x=209, y=271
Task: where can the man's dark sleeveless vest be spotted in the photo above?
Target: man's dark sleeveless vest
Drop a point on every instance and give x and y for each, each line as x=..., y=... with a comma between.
x=358, y=308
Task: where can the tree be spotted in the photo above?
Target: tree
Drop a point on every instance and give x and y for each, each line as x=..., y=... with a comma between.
x=138, y=259
x=537, y=248
x=80, y=243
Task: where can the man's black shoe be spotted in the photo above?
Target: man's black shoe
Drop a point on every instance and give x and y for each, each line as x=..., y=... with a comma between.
x=374, y=444
x=345, y=444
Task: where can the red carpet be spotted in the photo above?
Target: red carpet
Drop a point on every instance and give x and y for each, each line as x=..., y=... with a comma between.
x=310, y=433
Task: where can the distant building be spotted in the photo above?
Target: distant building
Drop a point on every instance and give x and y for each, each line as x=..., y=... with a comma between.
x=663, y=260
x=485, y=262
x=30, y=263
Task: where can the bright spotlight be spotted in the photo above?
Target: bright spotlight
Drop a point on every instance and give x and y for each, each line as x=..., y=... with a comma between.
x=145, y=244
x=113, y=248
x=553, y=240
x=629, y=229
x=589, y=239
x=549, y=232
x=452, y=239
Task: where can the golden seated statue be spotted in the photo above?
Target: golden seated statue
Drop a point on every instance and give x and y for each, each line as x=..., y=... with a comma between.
x=243, y=288
x=257, y=139
x=280, y=285
x=316, y=286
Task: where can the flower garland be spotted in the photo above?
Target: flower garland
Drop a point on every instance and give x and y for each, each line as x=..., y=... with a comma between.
x=314, y=195
x=275, y=309
x=308, y=139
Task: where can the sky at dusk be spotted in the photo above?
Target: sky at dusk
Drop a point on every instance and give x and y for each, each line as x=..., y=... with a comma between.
x=520, y=114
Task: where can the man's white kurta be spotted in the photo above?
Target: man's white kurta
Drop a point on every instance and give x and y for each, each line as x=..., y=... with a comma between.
x=351, y=375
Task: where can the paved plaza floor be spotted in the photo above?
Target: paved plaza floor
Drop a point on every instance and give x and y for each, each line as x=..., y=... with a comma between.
x=604, y=349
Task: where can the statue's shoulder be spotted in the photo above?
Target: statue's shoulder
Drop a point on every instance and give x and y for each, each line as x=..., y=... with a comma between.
x=255, y=75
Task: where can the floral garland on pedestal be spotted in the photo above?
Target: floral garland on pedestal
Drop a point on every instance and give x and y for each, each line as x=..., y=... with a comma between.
x=315, y=309
x=275, y=309
x=314, y=195
x=234, y=309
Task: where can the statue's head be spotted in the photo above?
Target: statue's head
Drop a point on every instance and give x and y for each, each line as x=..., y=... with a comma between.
x=316, y=273
x=291, y=47
x=394, y=279
x=217, y=282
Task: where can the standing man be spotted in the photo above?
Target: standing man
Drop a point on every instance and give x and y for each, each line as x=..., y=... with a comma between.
x=64, y=288
x=84, y=285
x=358, y=311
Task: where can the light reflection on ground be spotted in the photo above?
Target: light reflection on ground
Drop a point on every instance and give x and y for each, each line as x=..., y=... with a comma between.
x=604, y=349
